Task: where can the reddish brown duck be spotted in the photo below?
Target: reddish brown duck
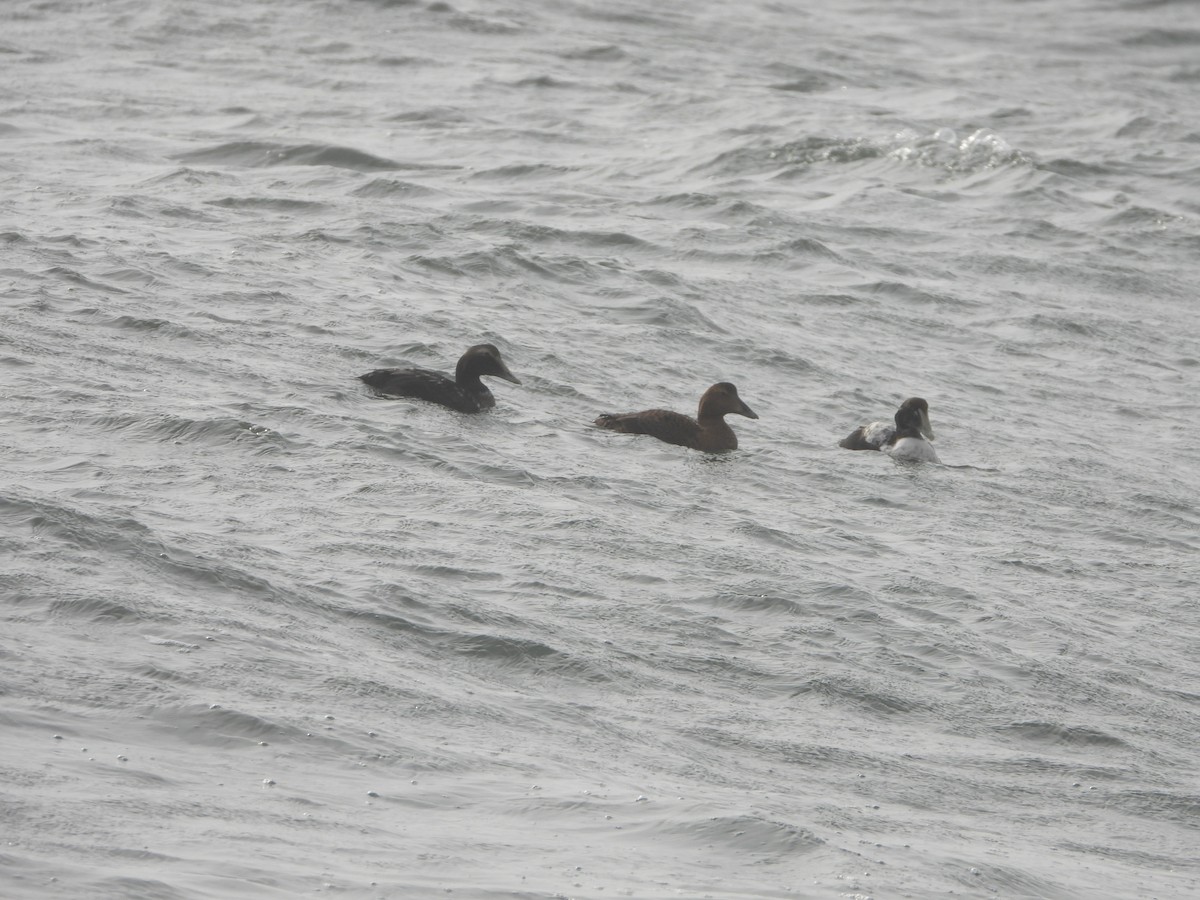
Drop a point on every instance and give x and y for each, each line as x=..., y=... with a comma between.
x=708, y=431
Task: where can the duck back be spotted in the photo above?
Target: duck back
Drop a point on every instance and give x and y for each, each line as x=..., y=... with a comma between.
x=672, y=428
x=434, y=387
x=868, y=437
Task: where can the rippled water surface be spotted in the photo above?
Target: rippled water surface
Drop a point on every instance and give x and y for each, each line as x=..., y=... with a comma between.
x=266, y=634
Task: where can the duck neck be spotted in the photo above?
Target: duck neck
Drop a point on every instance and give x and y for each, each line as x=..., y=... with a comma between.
x=712, y=421
x=467, y=378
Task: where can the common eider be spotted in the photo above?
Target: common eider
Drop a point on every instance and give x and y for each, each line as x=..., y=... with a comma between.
x=905, y=440
x=708, y=431
x=465, y=392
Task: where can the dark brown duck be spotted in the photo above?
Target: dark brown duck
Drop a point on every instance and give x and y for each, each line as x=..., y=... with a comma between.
x=464, y=392
x=708, y=431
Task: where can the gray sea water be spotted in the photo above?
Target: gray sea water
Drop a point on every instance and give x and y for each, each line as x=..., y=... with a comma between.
x=266, y=635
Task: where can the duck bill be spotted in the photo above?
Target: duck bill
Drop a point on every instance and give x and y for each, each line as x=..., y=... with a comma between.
x=747, y=411
x=926, y=428
x=506, y=375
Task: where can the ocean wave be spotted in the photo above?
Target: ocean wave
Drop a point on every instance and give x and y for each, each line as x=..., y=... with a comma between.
x=522, y=172
x=380, y=188
x=217, y=430
x=1182, y=808
x=942, y=150
x=93, y=609
x=597, y=53
x=76, y=278
x=217, y=725
x=259, y=154
x=956, y=156
x=1164, y=37
x=269, y=204
x=1053, y=734
x=515, y=260
x=858, y=694
x=748, y=834
x=144, y=324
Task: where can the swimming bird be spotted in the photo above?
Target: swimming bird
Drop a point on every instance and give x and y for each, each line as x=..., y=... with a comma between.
x=905, y=440
x=708, y=431
x=465, y=392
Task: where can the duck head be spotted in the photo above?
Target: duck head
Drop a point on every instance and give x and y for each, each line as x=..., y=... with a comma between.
x=914, y=414
x=722, y=399
x=484, y=359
